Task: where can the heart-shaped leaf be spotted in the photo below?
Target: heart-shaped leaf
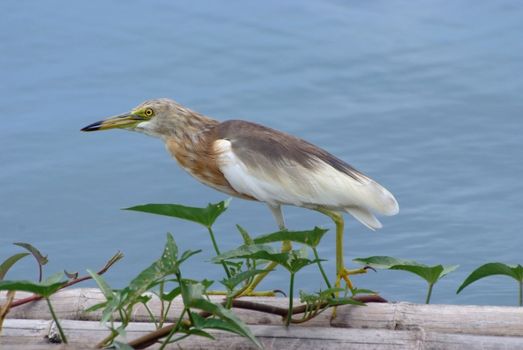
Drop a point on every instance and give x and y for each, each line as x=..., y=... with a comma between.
x=310, y=237
x=383, y=262
x=232, y=282
x=431, y=274
x=243, y=251
x=491, y=269
x=203, y=216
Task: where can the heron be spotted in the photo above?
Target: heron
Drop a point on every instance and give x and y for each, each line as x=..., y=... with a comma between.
x=254, y=162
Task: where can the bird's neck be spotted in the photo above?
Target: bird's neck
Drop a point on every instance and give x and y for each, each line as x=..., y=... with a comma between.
x=189, y=136
x=192, y=146
x=193, y=130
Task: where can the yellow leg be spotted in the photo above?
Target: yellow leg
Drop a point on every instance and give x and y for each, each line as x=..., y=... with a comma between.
x=341, y=271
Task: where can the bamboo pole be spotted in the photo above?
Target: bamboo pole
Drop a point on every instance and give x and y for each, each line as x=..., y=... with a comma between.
x=377, y=325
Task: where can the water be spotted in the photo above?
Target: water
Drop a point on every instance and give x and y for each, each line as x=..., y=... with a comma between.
x=425, y=97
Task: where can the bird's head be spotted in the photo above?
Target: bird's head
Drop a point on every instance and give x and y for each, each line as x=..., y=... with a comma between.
x=158, y=117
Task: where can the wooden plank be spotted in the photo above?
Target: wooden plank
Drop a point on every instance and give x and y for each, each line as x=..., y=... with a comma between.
x=465, y=319
x=72, y=303
x=485, y=320
x=84, y=334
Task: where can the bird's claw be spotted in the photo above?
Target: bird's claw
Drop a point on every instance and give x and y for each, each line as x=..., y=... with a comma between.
x=275, y=291
x=367, y=267
x=345, y=273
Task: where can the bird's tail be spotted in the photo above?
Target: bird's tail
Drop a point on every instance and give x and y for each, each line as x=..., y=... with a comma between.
x=365, y=217
x=377, y=199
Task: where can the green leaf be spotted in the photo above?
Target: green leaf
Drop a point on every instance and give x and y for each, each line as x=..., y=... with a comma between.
x=243, y=251
x=144, y=299
x=289, y=260
x=383, y=262
x=197, y=332
x=102, y=284
x=280, y=258
x=491, y=269
x=96, y=307
x=431, y=274
x=232, y=282
x=448, y=269
x=112, y=306
x=191, y=291
x=54, y=278
x=518, y=272
x=170, y=251
x=45, y=289
x=234, y=323
x=247, y=240
x=42, y=260
x=214, y=323
x=296, y=264
x=187, y=254
x=311, y=237
x=204, y=216
x=329, y=291
x=9, y=262
x=234, y=267
x=308, y=298
x=171, y=295
x=168, y=264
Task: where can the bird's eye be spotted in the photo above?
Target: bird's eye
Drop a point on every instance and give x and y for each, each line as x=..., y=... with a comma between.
x=149, y=112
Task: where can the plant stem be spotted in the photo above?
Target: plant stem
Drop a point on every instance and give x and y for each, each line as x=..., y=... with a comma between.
x=4, y=309
x=164, y=316
x=427, y=301
x=521, y=293
x=35, y=297
x=151, y=315
x=162, y=306
x=321, y=268
x=228, y=300
x=215, y=245
x=174, y=330
x=55, y=319
x=291, y=296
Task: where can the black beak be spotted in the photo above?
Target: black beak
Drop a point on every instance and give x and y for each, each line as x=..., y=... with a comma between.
x=92, y=127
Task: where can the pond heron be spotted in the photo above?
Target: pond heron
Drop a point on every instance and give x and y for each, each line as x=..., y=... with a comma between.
x=254, y=162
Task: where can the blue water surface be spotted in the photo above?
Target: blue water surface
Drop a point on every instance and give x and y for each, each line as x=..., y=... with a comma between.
x=423, y=96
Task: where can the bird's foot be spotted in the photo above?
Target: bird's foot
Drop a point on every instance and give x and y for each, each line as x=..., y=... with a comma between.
x=344, y=275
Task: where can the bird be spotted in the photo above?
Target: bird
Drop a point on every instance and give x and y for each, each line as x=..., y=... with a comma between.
x=254, y=162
